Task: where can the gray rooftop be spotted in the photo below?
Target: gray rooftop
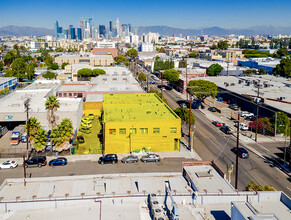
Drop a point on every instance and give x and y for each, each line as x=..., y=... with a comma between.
x=6, y=79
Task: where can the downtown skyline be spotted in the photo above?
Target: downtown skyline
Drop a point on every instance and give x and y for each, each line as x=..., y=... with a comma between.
x=190, y=14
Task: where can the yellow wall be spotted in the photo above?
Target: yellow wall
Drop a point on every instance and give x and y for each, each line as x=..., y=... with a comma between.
x=120, y=143
x=92, y=108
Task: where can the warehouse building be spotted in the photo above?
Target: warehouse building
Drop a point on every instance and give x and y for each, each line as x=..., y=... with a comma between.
x=137, y=122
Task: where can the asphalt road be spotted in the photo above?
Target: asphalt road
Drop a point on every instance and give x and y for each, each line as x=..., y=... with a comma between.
x=86, y=167
x=212, y=144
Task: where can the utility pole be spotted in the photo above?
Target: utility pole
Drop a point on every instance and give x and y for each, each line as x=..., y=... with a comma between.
x=147, y=82
x=162, y=84
x=237, y=145
x=24, y=170
x=186, y=77
x=256, y=137
x=190, y=111
x=27, y=105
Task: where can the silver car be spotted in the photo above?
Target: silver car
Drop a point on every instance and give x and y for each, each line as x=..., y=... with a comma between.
x=130, y=159
x=150, y=158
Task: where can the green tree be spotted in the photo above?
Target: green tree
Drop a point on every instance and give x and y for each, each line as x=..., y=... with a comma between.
x=48, y=60
x=214, y=69
x=222, y=45
x=159, y=94
x=59, y=49
x=51, y=105
x=119, y=59
x=97, y=72
x=214, y=47
x=1, y=65
x=142, y=77
x=194, y=55
x=65, y=64
x=62, y=133
x=53, y=66
x=9, y=58
x=40, y=140
x=85, y=72
x=282, y=52
x=8, y=73
x=49, y=75
x=19, y=68
x=132, y=53
x=202, y=89
x=33, y=126
x=262, y=71
x=171, y=75
x=283, y=123
x=284, y=68
x=184, y=114
x=30, y=70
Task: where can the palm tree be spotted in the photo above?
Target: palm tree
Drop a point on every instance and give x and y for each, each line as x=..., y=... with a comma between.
x=40, y=140
x=33, y=126
x=51, y=105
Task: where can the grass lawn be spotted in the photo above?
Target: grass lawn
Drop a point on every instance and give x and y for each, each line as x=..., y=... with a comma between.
x=92, y=143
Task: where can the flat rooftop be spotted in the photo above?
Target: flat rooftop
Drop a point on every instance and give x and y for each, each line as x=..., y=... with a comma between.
x=92, y=185
x=207, y=179
x=6, y=79
x=136, y=107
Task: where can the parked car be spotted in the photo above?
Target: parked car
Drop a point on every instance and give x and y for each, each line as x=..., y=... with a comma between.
x=168, y=87
x=226, y=129
x=61, y=161
x=212, y=109
x=246, y=114
x=152, y=82
x=150, y=158
x=36, y=161
x=242, y=126
x=108, y=158
x=242, y=152
x=250, y=118
x=217, y=123
x=130, y=159
x=9, y=164
x=233, y=107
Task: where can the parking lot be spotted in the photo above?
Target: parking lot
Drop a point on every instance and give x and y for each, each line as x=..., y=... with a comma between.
x=6, y=149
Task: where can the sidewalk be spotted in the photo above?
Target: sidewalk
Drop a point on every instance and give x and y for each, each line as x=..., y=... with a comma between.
x=182, y=154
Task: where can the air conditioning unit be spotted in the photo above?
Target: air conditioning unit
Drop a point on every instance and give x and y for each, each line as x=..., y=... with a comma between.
x=152, y=196
x=154, y=204
x=157, y=213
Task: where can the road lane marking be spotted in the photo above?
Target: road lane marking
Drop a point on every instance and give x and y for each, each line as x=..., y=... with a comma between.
x=201, y=134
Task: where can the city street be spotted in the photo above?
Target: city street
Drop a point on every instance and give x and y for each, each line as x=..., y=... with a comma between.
x=211, y=144
x=87, y=167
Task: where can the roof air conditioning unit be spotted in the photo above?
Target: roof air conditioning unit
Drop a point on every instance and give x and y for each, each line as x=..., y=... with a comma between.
x=158, y=212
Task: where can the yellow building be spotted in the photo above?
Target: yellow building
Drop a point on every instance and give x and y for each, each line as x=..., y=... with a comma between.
x=132, y=122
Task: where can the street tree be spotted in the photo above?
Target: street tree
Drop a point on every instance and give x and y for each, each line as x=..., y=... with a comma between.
x=283, y=123
x=1, y=65
x=51, y=105
x=282, y=52
x=62, y=133
x=202, y=89
x=85, y=72
x=183, y=113
x=284, y=68
x=214, y=69
x=97, y=72
x=39, y=143
x=53, y=66
x=65, y=64
x=194, y=55
x=19, y=68
x=171, y=75
x=49, y=75
x=222, y=45
x=132, y=53
x=48, y=60
x=142, y=77
x=30, y=70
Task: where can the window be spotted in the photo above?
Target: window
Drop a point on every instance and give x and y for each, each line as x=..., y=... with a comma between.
x=122, y=131
x=75, y=94
x=60, y=94
x=70, y=94
x=65, y=94
x=173, y=130
x=156, y=130
x=143, y=130
x=112, y=131
x=133, y=131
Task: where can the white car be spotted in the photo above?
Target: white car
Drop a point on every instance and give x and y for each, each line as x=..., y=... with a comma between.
x=243, y=127
x=246, y=114
x=8, y=165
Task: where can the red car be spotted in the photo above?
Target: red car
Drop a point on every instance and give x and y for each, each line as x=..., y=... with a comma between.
x=216, y=123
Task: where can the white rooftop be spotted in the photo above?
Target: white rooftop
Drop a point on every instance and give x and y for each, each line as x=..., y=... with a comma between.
x=207, y=179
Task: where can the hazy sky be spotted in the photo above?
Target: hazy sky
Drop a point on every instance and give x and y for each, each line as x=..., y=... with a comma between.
x=183, y=13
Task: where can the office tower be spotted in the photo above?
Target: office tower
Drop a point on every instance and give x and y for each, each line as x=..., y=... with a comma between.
x=102, y=30
x=129, y=28
x=72, y=32
x=117, y=26
x=79, y=34
x=66, y=33
x=60, y=30
x=56, y=29
x=90, y=26
x=83, y=25
x=110, y=26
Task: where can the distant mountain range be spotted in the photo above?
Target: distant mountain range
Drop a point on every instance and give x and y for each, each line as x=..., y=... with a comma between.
x=12, y=30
